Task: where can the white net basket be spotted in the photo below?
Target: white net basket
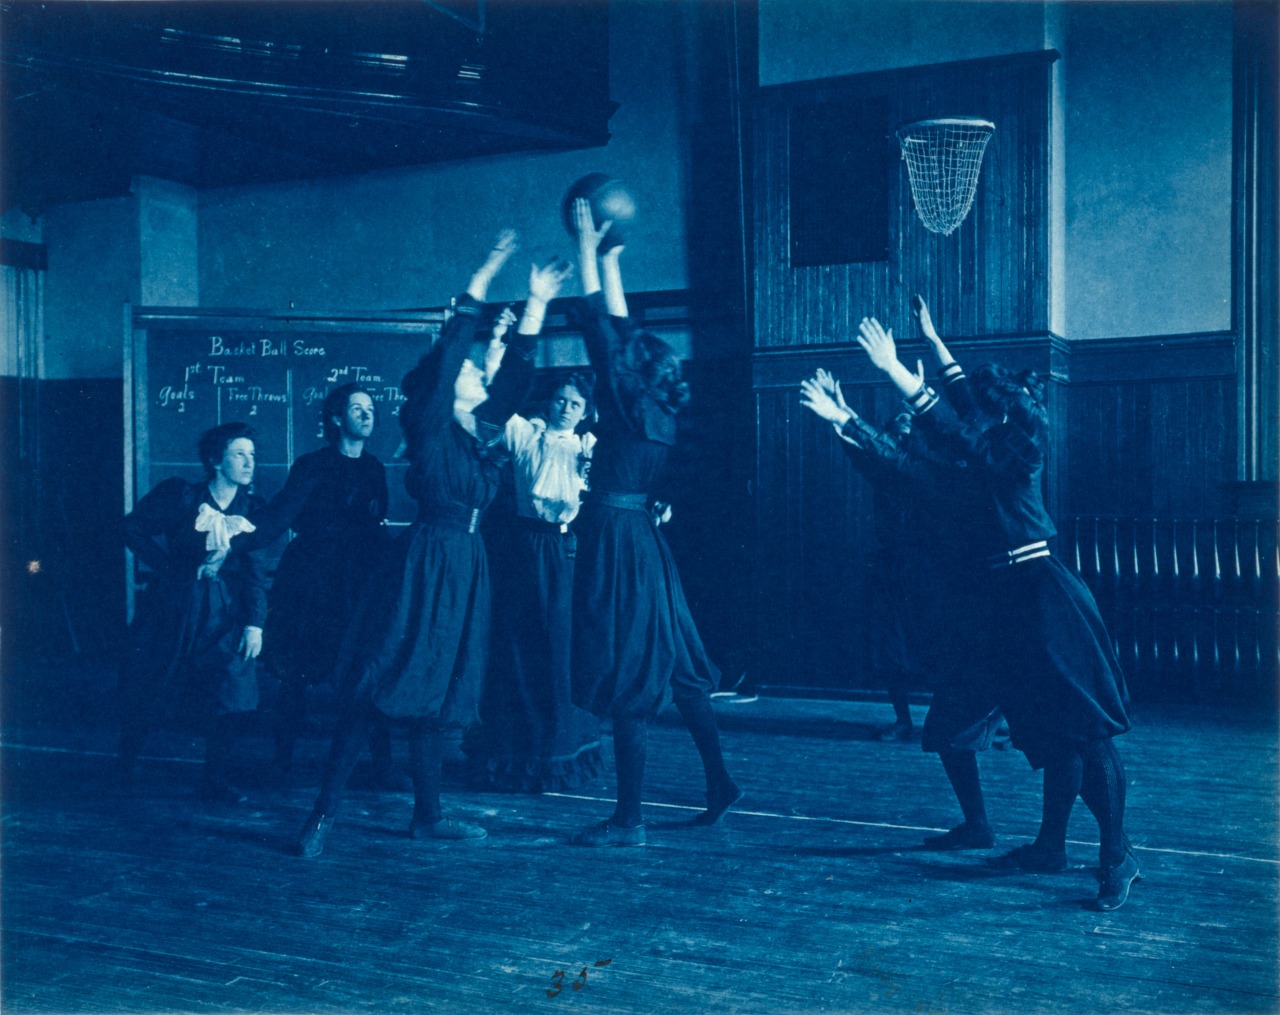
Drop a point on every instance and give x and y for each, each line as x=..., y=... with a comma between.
x=943, y=160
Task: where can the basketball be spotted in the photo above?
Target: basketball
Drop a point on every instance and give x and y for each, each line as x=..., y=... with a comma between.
x=610, y=199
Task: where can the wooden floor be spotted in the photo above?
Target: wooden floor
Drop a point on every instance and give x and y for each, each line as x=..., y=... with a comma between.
x=812, y=897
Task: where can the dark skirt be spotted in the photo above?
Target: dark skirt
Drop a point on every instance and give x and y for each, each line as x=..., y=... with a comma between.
x=633, y=634
x=311, y=605
x=533, y=739
x=183, y=658
x=903, y=622
x=419, y=642
x=1056, y=674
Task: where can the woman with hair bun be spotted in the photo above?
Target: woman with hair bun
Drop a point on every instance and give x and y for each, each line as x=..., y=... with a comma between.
x=418, y=646
x=198, y=628
x=635, y=644
x=1053, y=668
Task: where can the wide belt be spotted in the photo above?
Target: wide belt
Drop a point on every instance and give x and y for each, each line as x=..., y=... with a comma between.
x=1018, y=555
x=625, y=501
x=451, y=516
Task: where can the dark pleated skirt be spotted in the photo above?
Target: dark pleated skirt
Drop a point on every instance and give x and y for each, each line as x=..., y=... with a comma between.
x=1056, y=674
x=633, y=634
x=419, y=643
x=532, y=738
x=183, y=658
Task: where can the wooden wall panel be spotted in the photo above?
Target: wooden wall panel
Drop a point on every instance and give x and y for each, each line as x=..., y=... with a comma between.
x=1144, y=432
x=815, y=523
x=989, y=278
x=1151, y=427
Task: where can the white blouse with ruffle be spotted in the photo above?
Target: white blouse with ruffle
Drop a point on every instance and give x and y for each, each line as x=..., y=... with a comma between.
x=550, y=469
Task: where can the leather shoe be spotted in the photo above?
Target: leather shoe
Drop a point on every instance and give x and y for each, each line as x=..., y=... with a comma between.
x=1114, y=882
x=604, y=833
x=314, y=832
x=717, y=803
x=1031, y=857
x=445, y=828
x=963, y=836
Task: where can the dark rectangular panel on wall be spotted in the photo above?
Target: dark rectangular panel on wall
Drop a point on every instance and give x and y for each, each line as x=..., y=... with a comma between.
x=838, y=198
x=989, y=277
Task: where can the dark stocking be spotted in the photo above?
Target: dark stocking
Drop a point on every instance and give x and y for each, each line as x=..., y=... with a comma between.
x=701, y=719
x=629, y=739
x=1061, y=787
x=962, y=769
x=899, y=698
x=426, y=758
x=349, y=738
x=1103, y=790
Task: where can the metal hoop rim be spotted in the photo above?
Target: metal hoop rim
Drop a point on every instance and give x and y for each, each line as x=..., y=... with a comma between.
x=953, y=121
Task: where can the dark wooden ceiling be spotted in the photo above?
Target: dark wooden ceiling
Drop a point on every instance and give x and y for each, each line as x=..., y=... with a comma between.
x=215, y=93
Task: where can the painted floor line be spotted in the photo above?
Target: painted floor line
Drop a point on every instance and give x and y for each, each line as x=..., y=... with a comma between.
x=36, y=748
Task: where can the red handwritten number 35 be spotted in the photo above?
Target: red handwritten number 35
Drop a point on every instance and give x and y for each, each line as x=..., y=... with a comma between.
x=579, y=981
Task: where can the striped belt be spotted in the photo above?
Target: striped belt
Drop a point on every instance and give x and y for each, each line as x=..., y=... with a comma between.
x=626, y=501
x=1017, y=556
x=451, y=516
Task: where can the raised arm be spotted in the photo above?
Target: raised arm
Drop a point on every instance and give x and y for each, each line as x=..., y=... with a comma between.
x=883, y=352
x=873, y=453
x=943, y=354
x=955, y=384
x=503, y=247
x=278, y=515
x=429, y=386
x=589, y=238
x=511, y=385
x=615, y=297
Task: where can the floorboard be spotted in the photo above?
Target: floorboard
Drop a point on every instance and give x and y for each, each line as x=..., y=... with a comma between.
x=813, y=896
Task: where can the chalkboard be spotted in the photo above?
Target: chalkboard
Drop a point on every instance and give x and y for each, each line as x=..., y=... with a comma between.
x=189, y=370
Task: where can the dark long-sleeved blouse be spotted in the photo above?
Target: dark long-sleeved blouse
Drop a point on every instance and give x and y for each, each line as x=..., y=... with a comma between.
x=635, y=432
x=1009, y=456
x=328, y=497
x=448, y=467
x=162, y=534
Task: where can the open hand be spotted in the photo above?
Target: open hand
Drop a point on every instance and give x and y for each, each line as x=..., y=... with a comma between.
x=878, y=343
x=502, y=323
x=831, y=386
x=921, y=309
x=814, y=396
x=250, y=643
x=545, y=281
x=589, y=237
